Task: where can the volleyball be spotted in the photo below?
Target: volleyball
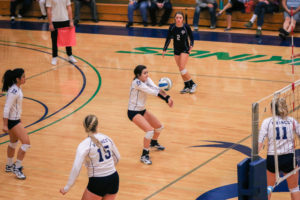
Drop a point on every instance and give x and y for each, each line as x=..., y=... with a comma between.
x=165, y=83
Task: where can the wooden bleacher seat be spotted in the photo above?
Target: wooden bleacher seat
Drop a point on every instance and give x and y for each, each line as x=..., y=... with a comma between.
x=116, y=10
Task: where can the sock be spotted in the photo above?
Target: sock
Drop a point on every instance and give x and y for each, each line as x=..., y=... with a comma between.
x=9, y=161
x=145, y=152
x=18, y=163
x=253, y=18
x=153, y=142
x=186, y=84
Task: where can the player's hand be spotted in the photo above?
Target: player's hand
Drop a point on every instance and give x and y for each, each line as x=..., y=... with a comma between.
x=51, y=27
x=210, y=5
x=296, y=55
x=62, y=191
x=131, y=2
x=190, y=49
x=5, y=129
x=163, y=54
x=71, y=23
x=170, y=102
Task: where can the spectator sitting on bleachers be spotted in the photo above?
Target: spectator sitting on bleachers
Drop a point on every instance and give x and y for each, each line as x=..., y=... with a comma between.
x=42, y=4
x=135, y=4
x=160, y=4
x=263, y=6
x=291, y=8
x=91, y=4
x=211, y=5
x=232, y=5
x=13, y=5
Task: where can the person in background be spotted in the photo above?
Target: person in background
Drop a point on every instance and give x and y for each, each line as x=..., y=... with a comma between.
x=91, y=4
x=157, y=5
x=212, y=6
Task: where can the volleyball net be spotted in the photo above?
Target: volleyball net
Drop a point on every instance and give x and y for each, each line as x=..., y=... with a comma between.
x=265, y=108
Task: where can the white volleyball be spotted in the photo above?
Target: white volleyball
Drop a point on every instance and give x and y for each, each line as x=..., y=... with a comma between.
x=165, y=83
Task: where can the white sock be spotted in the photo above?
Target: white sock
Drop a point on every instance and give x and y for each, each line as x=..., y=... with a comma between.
x=253, y=18
x=18, y=163
x=9, y=161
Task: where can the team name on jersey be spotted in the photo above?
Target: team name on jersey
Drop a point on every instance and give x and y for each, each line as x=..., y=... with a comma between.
x=282, y=122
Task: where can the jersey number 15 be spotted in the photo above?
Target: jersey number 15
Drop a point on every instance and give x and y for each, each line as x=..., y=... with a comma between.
x=107, y=154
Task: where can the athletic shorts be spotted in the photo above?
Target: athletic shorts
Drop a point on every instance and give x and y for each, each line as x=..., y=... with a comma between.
x=178, y=52
x=104, y=185
x=285, y=163
x=132, y=113
x=295, y=16
x=12, y=123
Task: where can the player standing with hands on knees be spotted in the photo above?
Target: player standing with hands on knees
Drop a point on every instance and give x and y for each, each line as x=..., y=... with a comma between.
x=100, y=155
x=181, y=33
x=12, y=80
x=137, y=113
x=285, y=144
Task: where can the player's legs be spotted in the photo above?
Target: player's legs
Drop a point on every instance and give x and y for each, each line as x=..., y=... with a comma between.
x=13, y=141
x=293, y=185
x=270, y=181
x=109, y=196
x=143, y=124
x=87, y=195
x=158, y=127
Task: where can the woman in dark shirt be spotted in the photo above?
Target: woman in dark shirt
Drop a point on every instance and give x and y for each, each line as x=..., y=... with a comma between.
x=181, y=34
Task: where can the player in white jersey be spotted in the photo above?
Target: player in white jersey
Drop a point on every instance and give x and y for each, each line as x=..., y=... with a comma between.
x=12, y=80
x=100, y=155
x=141, y=86
x=285, y=126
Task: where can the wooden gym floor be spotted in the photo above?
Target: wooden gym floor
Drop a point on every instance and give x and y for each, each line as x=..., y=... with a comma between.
x=206, y=134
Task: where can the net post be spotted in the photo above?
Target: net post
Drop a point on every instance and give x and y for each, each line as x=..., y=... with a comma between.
x=255, y=118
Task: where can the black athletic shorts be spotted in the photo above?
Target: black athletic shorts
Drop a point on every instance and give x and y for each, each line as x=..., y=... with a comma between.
x=104, y=185
x=12, y=123
x=132, y=113
x=178, y=52
x=285, y=163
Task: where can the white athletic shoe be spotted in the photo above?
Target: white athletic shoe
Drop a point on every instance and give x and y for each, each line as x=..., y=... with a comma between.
x=193, y=89
x=12, y=18
x=146, y=159
x=185, y=90
x=72, y=59
x=54, y=61
x=18, y=172
x=9, y=168
x=20, y=16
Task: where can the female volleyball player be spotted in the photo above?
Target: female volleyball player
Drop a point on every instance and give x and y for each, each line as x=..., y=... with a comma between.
x=285, y=146
x=12, y=80
x=181, y=33
x=100, y=155
x=140, y=87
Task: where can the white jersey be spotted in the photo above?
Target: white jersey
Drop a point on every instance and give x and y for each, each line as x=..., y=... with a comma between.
x=97, y=162
x=59, y=9
x=284, y=134
x=13, y=104
x=138, y=93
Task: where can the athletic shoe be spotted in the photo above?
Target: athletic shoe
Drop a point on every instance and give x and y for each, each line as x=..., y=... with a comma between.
x=227, y=29
x=72, y=59
x=195, y=28
x=146, y=159
x=193, y=89
x=129, y=24
x=9, y=168
x=185, y=90
x=212, y=27
x=258, y=33
x=155, y=144
x=248, y=24
x=12, y=18
x=20, y=16
x=54, y=61
x=18, y=172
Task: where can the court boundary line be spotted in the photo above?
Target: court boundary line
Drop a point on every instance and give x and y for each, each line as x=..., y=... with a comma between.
x=80, y=107
x=199, y=75
x=198, y=167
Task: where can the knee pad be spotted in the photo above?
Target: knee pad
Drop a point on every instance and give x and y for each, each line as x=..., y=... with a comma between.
x=296, y=189
x=25, y=147
x=183, y=72
x=13, y=145
x=149, y=134
x=159, y=129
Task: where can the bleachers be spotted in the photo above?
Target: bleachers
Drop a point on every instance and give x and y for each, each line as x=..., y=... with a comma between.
x=116, y=10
